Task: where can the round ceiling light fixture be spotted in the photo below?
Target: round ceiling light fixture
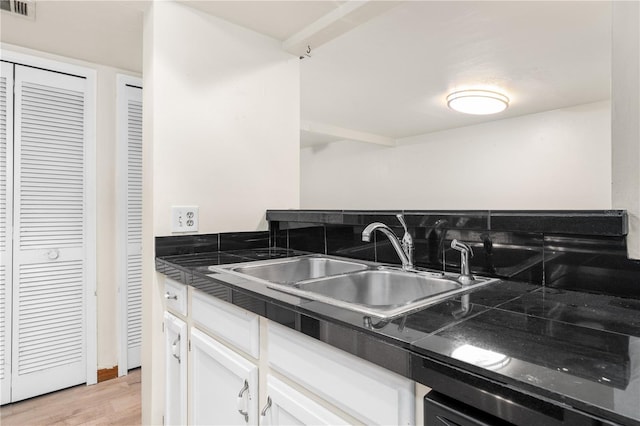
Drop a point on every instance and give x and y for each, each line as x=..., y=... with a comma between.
x=478, y=102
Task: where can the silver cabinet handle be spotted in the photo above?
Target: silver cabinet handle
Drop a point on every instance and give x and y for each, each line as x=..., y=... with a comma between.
x=266, y=407
x=241, y=404
x=170, y=296
x=175, y=350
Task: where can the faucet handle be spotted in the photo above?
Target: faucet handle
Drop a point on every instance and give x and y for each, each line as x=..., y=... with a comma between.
x=400, y=217
x=461, y=247
x=407, y=240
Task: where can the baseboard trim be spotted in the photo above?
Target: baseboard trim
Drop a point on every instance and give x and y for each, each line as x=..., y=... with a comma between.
x=107, y=373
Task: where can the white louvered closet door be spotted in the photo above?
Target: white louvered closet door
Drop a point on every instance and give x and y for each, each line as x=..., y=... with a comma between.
x=134, y=225
x=49, y=264
x=6, y=179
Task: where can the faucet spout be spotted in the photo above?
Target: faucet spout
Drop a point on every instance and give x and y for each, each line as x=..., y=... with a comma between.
x=407, y=262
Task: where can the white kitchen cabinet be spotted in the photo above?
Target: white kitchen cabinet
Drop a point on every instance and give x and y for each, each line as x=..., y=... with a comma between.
x=223, y=384
x=305, y=380
x=175, y=333
x=175, y=294
x=234, y=325
x=370, y=393
x=287, y=406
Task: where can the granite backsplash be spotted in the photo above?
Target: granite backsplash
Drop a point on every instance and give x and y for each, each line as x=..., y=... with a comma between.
x=573, y=250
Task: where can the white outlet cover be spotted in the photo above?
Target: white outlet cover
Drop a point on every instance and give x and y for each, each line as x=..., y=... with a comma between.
x=184, y=218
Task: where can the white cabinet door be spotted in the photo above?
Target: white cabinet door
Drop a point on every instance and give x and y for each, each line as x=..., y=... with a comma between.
x=223, y=384
x=175, y=334
x=287, y=406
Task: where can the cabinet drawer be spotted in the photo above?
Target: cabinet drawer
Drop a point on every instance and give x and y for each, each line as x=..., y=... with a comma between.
x=234, y=325
x=290, y=407
x=175, y=294
x=369, y=393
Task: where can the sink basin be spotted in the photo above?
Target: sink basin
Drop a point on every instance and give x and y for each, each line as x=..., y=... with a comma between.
x=383, y=293
x=380, y=288
x=293, y=270
x=369, y=288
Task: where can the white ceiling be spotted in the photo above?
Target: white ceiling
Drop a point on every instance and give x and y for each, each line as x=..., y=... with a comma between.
x=386, y=78
x=276, y=19
x=390, y=76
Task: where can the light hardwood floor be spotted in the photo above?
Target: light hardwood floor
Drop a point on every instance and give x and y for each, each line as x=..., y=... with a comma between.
x=114, y=402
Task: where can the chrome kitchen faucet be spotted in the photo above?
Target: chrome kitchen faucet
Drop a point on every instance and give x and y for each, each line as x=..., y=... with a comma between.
x=404, y=248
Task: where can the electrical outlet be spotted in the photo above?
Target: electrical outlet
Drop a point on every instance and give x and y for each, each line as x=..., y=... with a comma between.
x=184, y=218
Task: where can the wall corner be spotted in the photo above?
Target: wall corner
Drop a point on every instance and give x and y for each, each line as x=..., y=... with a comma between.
x=625, y=110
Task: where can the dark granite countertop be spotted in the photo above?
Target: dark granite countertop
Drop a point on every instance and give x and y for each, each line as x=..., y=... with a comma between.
x=576, y=350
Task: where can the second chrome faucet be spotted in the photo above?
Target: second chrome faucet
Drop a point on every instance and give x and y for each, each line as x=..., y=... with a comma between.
x=404, y=248
x=465, y=253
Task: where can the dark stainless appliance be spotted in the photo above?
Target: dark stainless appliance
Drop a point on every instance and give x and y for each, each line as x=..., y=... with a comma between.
x=460, y=399
x=440, y=410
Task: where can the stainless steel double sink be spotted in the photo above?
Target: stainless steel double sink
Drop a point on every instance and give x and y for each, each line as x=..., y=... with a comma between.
x=370, y=288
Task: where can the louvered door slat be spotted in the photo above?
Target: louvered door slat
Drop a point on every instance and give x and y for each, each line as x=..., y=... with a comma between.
x=39, y=138
x=60, y=184
x=37, y=94
x=44, y=105
x=52, y=111
x=42, y=299
x=6, y=214
x=61, y=281
x=48, y=114
x=50, y=231
x=62, y=312
x=53, y=122
x=53, y=160
x=44, y=341
x=56, y=155
x=60, y=220
x=65, y=320
x=61, y=360
x=133, y=136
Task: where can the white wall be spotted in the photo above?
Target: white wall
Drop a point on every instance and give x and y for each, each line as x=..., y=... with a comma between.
x=100, y=32
x=625, y=94
x=227, y=122
x=221, y=115
x=552, y=160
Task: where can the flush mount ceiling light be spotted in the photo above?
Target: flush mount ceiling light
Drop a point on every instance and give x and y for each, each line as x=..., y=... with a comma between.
x=479, y=102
